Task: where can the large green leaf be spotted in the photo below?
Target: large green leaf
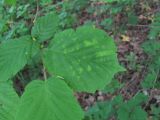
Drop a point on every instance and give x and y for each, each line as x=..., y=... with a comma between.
x=45, y=27
x=85, y=58
x=14, y=55
x=8, y=102
x=48, y=100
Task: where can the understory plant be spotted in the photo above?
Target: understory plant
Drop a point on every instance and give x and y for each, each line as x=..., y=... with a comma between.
x=73, y=60
x=119, y=109
x=152, y=49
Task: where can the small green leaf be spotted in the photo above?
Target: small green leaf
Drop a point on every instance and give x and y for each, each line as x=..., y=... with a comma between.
x=85, y=58
x=132, y=110
x=155, y=27
x=104, y=110
x=150, y=80
x=8, y=101
x=112, y=86
x=45, y=27
x=151, y=47
x=14, y=55
x=132, y=19
x=138, y=114
x=156, y=112
x=48, y=100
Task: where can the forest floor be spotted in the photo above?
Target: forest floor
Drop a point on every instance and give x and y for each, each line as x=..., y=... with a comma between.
x=134, y=25
x=130, y=52
x=131, y=24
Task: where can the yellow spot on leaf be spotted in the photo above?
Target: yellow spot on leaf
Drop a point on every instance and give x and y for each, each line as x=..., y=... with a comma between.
x=26, y=53
x=80, y=70
x=34, y=39
x=89, y=43
x=42, y=46
x=89, y=68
